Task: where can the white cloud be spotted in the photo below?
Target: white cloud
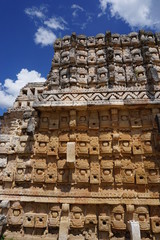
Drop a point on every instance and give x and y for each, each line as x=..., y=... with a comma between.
x=144, y=13
x=6, y=100
x=75, y=6
x=103, y=6
x=88, y=20
x=44, y=37
x=56, y=23
x=10, y=89
x=35, y=12
x=44, y=34
x=76, y=9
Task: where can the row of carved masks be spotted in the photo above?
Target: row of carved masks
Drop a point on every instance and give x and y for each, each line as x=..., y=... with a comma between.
x=113, y=218
x=107, y=75
x=101, y=56
x=109, y=172
x=107, y=217
x=94, y=172
x=80, y=41
x=100, y=40
x=95, y=120
x=104, y=144
x=16, y=216
x=8, y=144
x=39, y=173
x=16, y=144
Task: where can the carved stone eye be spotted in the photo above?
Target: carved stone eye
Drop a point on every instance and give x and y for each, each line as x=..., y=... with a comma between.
x=54, y=214
x=104, y=118
x=148, y=143
x=65, y=58
x=82, y=76
x=153, y=172
x=77, y=215
x=120, y=74
x=23, y=144
x=118, y=216
x=83, y=172
x=39, y=171
x=117, y=56
x=142, y=217
x=105, y=144
x=42, y=144
x=125, y=143
x=124, y=117
x=106, y=171
x=19, y=170
x=128, y=172
x=100, y=39
x=141, y=74
x=82, y=118
x=63, y=144
x=61, y=171
x=102, y=75
x=44, y=119
x=16, y=212
x=82, y=144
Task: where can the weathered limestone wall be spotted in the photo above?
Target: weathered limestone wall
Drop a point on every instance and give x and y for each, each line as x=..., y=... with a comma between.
x=79, y=154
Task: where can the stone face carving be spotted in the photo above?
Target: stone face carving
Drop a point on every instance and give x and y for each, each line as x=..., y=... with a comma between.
x=29, y=220
x=53, y=78
x=54, y=216
x=53, y=146
x=91, y=57
x=82, y=76
x=77, y=217
x=118, y=218
x=15, y=214
x=81, y=57
x=79, y=154
x=73, y=76
x=51, y=173
x=92, y=78
x=64, y=78
x=107, y=171
x=41, y=143
x=142, y=215
x=102, y=74
x=82, y=170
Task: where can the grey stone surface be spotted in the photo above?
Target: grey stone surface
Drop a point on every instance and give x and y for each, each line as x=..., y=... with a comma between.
x=134, y=230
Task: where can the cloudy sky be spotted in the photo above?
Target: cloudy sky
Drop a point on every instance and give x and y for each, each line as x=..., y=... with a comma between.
x=29, y=28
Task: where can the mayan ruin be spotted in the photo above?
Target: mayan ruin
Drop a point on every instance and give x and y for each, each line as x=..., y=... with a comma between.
x=80, y=153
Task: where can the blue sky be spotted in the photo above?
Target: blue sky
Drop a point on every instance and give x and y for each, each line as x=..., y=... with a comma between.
x=29, y=27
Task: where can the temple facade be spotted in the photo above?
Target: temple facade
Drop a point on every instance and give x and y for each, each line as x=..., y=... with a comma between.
x=80, y=153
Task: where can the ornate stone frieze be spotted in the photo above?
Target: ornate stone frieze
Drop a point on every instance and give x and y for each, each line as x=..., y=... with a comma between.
x=80, y=153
